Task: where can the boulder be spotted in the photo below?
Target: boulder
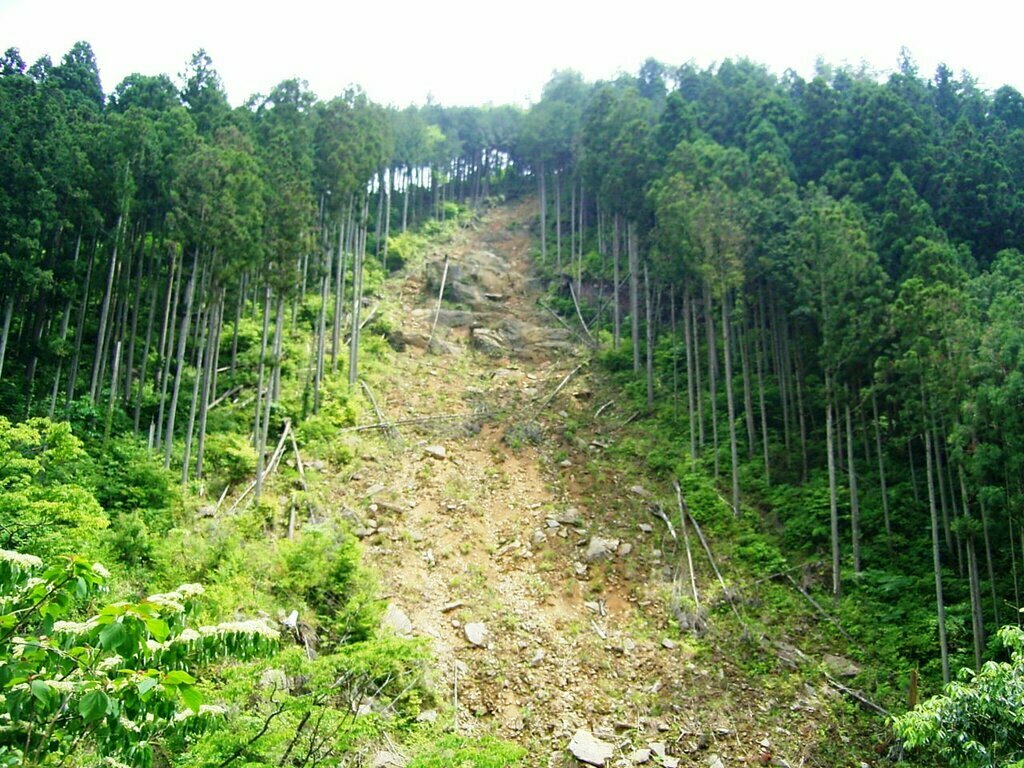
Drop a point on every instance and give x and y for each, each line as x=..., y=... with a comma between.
x=589, y=749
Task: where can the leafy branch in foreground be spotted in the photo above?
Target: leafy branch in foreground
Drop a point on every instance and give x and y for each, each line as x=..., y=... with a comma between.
x=978, y=722
x=114, y=684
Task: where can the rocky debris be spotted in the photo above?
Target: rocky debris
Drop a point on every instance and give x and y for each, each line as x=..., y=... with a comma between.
x=789, y=655
x=624, y=549
x=568, y=516
x=397, y=621
x=476, y=634
x=488, y=341
x=427, y=716
x=645, y=528
x=639, y=490
x=639, y=756
x=442, y=347
x=840, y=666
x=601, y=548
x=386, y=759
x=538, y=657
x=274, y=678
x=589, y=749
x=538, y=538
x=436, y=451
x=668, y=644
x=714, y=761
x=449, y=607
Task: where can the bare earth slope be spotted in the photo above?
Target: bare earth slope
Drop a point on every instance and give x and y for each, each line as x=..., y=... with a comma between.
x=489, y=519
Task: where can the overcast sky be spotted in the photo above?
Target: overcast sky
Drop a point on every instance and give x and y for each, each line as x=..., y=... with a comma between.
x=476, y=51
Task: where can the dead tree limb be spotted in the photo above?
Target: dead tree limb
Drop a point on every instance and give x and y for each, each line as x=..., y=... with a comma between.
x=683, y=509
x=440, y=294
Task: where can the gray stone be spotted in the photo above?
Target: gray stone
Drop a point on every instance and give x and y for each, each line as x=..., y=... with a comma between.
x=386, y=759
x=600, y=549
x=569, y=516
x=476, y=634
x=714, y=761
x=639, y=490
x=488, y=341
x=539, y=537
x=589, y=749
x=625, y=548
x=397, y=621
x=436, y=451
x=639, y=756
x=840, y=665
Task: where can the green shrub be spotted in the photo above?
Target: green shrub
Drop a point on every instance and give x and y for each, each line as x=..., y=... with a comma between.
x=230, y=456
x=454, y=751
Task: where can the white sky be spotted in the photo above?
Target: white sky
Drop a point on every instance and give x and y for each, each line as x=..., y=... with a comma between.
x=476, y=51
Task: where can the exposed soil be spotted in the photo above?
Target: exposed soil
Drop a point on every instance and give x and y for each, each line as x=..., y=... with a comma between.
x=486, y=535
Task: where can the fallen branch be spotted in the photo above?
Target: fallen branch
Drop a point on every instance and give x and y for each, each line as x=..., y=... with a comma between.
x=225, y=396
x=821, y=611
x=564, y=324
x=416, y=420
x=389, y=431
x=579, y=314
x=683, y=510
x=271, y=465
x=860, y=698
x=602, y=408
x=558, y=389
x=714, y=565
x=440, y=294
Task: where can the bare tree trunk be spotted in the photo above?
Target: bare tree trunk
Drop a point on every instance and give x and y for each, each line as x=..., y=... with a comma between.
x=760, y=360
x=832, y=500
x=8, y=313
x=748, y=398
x=262, y=391
x=712, y=343
x=616, y=279
x=632, y=254
x=940, y=605
x=182, y=340
x=973, y=579
x=690, y=397
x=854, y=498
x=104, y=313
x=165, y=350
x=542, y=181
x=558, y=219
x=698, y=387
x=209, y=375
x=731, y=403
x=881, y=473
x=357, y=302
x=202, y=323
x=650, y=338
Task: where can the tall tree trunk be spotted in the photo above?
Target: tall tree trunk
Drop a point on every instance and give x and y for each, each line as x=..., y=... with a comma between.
x=632, y=254
x=180, y=364
x=542, y=182
x=759, y=361
x=262, y=393
x=558, y=219
x=357, y=302
x=690, y=397
x=881, y=473
x=712, y=344
x=616, y=279
x=730, y=398
x=832, y=495
x=973, y=579
x=202, y=323
x=650, y=338
x=104, y=313
x=854, y=498
x=165, y=351
x=940, y=606
x=8, y=314
x=698, y=386
x=748, y=398
x=208, y=381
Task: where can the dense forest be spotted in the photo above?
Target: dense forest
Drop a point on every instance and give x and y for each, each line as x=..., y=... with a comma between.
x=812, y=288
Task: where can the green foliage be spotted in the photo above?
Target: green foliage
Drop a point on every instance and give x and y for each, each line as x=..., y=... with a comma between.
x=454, y=751
x=45, y=507
x=117, y=683
x=978, y=721
x=230, y=456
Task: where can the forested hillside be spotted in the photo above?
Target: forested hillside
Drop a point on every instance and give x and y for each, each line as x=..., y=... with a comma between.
x=811, y=292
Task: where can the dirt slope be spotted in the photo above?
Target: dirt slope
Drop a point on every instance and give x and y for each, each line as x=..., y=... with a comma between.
x=497, y=532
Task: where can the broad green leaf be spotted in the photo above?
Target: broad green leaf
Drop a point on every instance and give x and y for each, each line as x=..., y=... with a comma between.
x=192, y=698
x=145, y=685
x=112, y=636
x=93, y=706
x=179, y=677
x=41, y=691
x=158, y=629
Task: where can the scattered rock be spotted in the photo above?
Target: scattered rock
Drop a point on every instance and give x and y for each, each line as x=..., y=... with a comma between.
x=476, y=634
x=580, y=568
x=538, y=657
x=436, y=451
x=668, y=644
x=449, y=607
x=388, y=760
x=714, y=761
x=427, y=716
x=488, y=341
x=645, y=527
x=840, y=666
x=589, y=749
x=639, y=490
x=639, y=756
x=565, y=464
x=600, y=549
x=374, y=489
x=552, y=523
x=625, y=548
x=539, y=537
x=397, y=621
x=569, y=516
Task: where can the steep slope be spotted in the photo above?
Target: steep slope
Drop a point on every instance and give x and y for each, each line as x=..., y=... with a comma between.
x=534, y=564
